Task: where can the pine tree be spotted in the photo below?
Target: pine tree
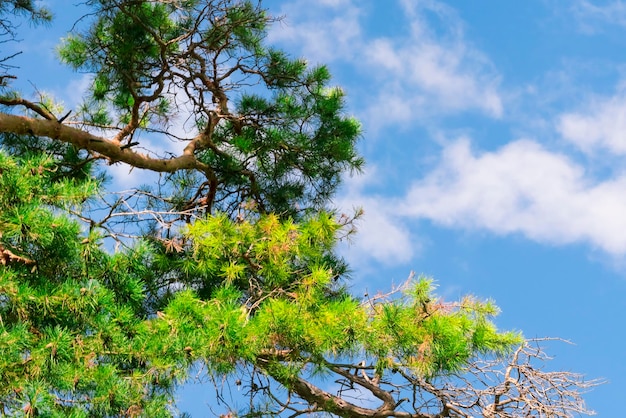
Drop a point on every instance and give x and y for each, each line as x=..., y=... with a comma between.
x=236, y=269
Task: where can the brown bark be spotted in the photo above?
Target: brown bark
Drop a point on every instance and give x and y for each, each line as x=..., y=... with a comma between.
x=521, y=388
x=327, y=402
x=108, y=148
x=6, y=257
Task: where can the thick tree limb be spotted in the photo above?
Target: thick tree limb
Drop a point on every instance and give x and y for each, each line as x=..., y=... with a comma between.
x=335, y=404
x=22, y=125
x=6, y=257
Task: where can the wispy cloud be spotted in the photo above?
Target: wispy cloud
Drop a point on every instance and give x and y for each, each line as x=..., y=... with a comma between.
x=322, y=31
x=444, y=67
x=415, y=74
x=426, y=76
x=593, y=15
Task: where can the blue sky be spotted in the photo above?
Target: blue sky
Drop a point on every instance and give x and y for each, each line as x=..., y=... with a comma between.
x=495, y=136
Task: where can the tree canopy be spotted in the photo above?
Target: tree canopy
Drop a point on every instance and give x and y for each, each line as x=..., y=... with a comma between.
x=227, y=263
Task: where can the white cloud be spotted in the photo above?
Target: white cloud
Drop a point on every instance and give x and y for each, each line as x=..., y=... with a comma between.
x=125, y=177
x=75, y=91
x=428, y=75
x=521, y=188
x=381, y=236
x=429, y=68
x=601, y=124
